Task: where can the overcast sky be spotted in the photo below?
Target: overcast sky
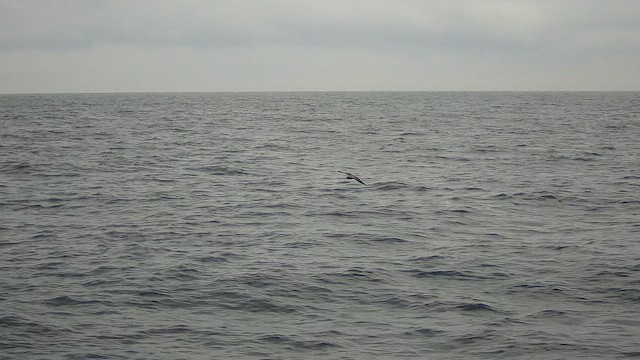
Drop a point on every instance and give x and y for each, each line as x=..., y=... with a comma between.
x=263, y=45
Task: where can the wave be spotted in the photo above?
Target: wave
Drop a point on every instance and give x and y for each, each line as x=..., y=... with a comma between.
x=356, y=273
x=255, y=305
x=219, y=170
x=428, y=332
x=422, y=259
x=447, y=274
x=389, y=240
x=455, y=211
x=368, y=238
x=549, y=313
x=12, y=323
x=390, y=185
x=213, y=259
x=65, y=300
x=297, y=344
x=18, y=168
x=474, y=307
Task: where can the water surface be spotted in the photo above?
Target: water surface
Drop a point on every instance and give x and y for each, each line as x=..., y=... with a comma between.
x=216, y=225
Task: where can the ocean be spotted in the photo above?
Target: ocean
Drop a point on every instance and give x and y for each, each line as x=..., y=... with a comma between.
x=494, y=225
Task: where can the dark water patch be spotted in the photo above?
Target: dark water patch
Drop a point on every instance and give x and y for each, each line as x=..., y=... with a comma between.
x=547, y=197
x=303, y=292
x=427, y=332
x=68, y=198
x=349, y=236
x=592, y=153
x=272, y=146
x=60, y=174
x=427, y=259
x=413, y=133
x=516, y=288
x=154, y=301
x=4, y=243
x=628, y=294
x=270, y=213
x=164, y=180
x=498, y=275
x=170, y=330
x=259, y=305
x=532, y=196
x=390, y=240
x=151, y=293
x=37, y=207
x=560, y=247
x=350, y=275
x=88, y=356
x=259, y=280
x=335, y=214
x=487, y=149
x=502, y=196
x=65, y=300
x=444, y=274
x=629, y=202
x=103, y=269
x=455, y=211
x=213, y=259
x=301, y=245
x=475, y=307
x=550, y=313
x=220, y=170
x=282, y=205
x=51, y=265
x=65, y=274
x=297, y=345
x=395, y=301
x=39, y=327
x=182, y=273
x=495, y=235
x=473, y=188
x=624, y=322
x=164, y=197
x=582, y=158
x=610, y=274
x=389, y=186
x=124, y=338
x=18, y=168
x=102, y=282
x=470, y=339
x=507, y=321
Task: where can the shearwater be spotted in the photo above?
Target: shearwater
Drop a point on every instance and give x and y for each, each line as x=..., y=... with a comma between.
x=351, y=176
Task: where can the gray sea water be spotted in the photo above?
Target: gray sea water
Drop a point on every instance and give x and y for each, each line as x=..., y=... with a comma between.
x=216, y=226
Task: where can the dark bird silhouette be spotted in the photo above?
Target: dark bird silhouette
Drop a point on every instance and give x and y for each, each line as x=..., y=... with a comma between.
x=351, y=176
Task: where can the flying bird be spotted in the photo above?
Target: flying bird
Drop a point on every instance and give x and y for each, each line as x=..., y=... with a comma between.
x=351, y=176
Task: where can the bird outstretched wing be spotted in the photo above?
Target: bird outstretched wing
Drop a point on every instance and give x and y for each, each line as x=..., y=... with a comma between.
x=351, y=176
x=358, y=180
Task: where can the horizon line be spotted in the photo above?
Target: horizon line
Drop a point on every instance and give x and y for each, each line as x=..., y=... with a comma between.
x=293, y=91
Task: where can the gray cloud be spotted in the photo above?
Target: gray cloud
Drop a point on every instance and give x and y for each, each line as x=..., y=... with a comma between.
x=169, y=45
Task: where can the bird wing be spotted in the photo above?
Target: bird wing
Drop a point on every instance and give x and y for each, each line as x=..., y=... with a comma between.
x=351, y=176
